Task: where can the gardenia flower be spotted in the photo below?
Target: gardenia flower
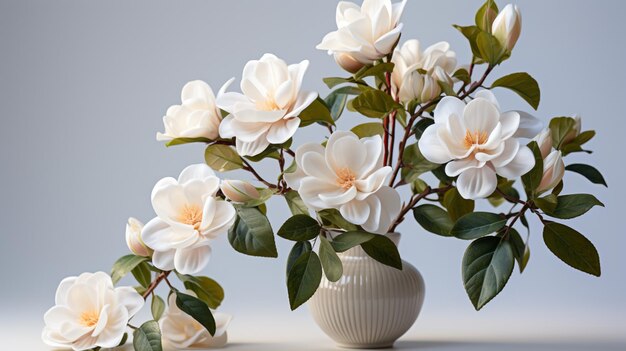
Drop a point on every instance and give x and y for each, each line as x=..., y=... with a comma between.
x=239, y=191
x=197, y=116
x=267, y=111
x=364, y=34
x=507, y=26
x=553, y=165
x=188, y=217
x=480, y=142
x=182, y=331
x=347, y=175
x=408, y=83
x=133, y=238
x=89, y=312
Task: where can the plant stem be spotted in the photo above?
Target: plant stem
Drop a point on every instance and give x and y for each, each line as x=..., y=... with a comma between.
x=414, y=200
x=155, y=283
x=248, y=167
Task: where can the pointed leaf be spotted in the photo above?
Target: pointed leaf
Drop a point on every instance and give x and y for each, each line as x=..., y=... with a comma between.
x=570, y=206
x=588, y=172
x=157, y=307
x=383, y=250
x=197, y=309
x=330, y=261
x=348, y=240
x=523, y=84
x=295, y=203
x=476, y=224
x=299, y=228
x=303, y=279
x=298, y=249
x=222, y=158
x=124, y=265
x=147, y=337
x=487, y=265
x=434, y=219
x=252, y=233
x=572, y=248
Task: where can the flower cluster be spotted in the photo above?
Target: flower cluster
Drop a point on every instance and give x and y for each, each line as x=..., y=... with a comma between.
x=436, y=134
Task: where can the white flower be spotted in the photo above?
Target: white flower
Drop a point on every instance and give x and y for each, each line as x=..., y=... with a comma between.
x=267, y=111
x=544, y=141
x=182, y=331
x=239, y=191
x=133, y=238
x=507, y=26
x=188, y=217
x=553, y=165
x=347, y=175
x=364, y=34
x=480, y=142
x=553, y=171
x=197, y=116
x=89, y=312
x=437, y=60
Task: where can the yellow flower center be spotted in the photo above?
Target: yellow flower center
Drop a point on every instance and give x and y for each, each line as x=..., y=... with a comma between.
x=346, y=178
x=192, y=215
x=475, y=138
x=89, y=318
x=268, y=105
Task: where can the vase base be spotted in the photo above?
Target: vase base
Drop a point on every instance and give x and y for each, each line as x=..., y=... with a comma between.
x=382, y=345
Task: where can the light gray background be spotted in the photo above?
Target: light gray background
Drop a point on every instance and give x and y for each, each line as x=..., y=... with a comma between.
x=83, y=87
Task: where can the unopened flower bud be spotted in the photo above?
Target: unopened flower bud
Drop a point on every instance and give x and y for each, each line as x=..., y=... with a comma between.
x=553, y=171
x=544, y=140
x=507, y=26
x=575, y=130
x=133, y=238
x=347, y=62
x=239, y=191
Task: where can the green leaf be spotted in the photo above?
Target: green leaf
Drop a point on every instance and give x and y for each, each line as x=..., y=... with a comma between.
x=532, y=179
x=298, y=249
x=207, y=290
x=489, y=48
x=157, y=307
x=332, y=217
x=456, y=205
x=471, y=33
x=197, y=309
x=181, y=141
x=383, y=250
x=434, y=219
x=332, y=82
x=346, y=241
x=547, y=203
x=222, y=158
x=560, y=128
x=378, y=70
x=141, y=272
x=520, y=249
x=252, y=233
x=414, y=163
x=299, y=228
x=295, y=203
x=330, y=261
x=303, y=279
x=375, y=104
x=336, y=104
x=588, y=172
x=486, y=15
x=124, y=265
x=264, y=195
x=487, y=265
x=570, y=206
x=317, y=111
x=523, y=84
x=463, y=75
x=147, y=337
x=572, y=248
x=368, y=129
x=476, y=224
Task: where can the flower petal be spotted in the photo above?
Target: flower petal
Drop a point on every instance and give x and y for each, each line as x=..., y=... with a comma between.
x=523, y=162
x=199, y=171
x=456, y=167
x=252, y=148
x=431, y=146
x=192, y=260
x=222, y=220
x=447, y=107
x=282, y=130
x=164, y=260
x=477, y=183
x=480, y=115
x=161, y=236
x=130, y=299
x=356, y=212
x=529, y=126
x=510, y=123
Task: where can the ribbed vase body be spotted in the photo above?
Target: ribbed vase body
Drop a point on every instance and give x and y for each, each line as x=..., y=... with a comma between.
x=372, y=305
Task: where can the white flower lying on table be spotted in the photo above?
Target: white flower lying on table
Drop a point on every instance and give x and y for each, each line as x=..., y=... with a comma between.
x=182, y=331
x=90, y=312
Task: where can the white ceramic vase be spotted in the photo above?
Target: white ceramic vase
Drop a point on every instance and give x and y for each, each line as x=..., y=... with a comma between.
x=372, y=305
